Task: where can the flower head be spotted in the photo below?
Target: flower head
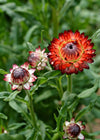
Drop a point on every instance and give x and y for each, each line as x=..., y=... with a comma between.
x=21, y=77
x=73, y=130
x=38, y=59
x=71, y=52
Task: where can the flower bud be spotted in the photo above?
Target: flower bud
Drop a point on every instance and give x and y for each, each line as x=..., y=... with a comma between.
x=73, y=130
x=21, y=77
x=38, y=59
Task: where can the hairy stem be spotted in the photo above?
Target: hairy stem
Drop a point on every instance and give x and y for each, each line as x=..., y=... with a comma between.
x=60, y=88
x=56, y=136
x=31, y=109
x=69, y=84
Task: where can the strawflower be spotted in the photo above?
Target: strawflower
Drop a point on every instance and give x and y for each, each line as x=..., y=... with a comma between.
x=71, y=52
x=21, y=77
x=73, y=130
x=38, y=59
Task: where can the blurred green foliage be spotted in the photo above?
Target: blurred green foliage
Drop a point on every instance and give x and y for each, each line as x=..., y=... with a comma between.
x=37, y=22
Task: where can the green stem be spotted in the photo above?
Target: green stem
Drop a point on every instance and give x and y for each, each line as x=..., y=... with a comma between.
x=69, y=83
x=31, y=109
x=60, y=89
x=56, y=136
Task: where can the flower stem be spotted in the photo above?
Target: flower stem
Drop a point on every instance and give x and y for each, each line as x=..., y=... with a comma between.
x=69, y=83
x=56, y=136
x=60, y=89
x=31, y=109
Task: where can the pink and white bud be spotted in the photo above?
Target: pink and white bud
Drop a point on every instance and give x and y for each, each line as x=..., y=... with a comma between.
x=38, y=59
x=21, y=77
x=73, y=130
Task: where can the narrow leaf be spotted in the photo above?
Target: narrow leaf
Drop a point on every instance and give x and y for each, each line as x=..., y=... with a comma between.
x=46, y=94
x=3, y=71
x=40, y=81
x=3, y=116
x=94, y=133
x=86, y=109
x=29, y=33
x=96, y=34
x=12, y=95
x=16, y=126
x=12, y=137
x=4, y=94
x=88, y=92
x=51, y=74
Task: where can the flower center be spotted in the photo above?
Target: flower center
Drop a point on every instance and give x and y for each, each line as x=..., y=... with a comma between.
x=70, y=46
x=74, y=130
x=71, y=51
x=20, y=75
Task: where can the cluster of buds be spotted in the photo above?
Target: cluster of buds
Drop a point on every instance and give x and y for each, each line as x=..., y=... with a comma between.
x=73, y=130
x=38, y=59
x=22, y=77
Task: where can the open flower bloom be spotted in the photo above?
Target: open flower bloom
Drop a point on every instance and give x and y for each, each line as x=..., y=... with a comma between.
x=71, y=52
x=38, y=59
x=21, y=77
x=73, y=130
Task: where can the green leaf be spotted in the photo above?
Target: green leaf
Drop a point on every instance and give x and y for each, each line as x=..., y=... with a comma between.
x=12, y=137
x=96, y=34
x=51, y=74
x=69, y=97
x=8, y=8
x=53, y=85
x=65, y=7
x=3, y=1
x=63, y=110
x=31, y=134
x=29, y=33
x=94, y=133
x=85, y=109
x=88, y=92
x=72, y=107
x=91, y=74
x=4, y=94
x=20, y=99
x=16, y=126
x=19, y=107
x=3, y=71
x=40, y=81
x=42, y=130
x=30, y=46
x=3, y=116
x=46, y=94
x=12, y=95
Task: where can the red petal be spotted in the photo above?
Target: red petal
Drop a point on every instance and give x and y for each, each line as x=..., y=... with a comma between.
x=72, y=69
x=30, y=52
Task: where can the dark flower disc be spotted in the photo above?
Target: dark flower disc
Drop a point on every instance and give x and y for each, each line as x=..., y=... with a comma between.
x=20, y=76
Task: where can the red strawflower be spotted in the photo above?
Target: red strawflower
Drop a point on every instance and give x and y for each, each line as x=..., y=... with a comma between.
x=71, y=52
